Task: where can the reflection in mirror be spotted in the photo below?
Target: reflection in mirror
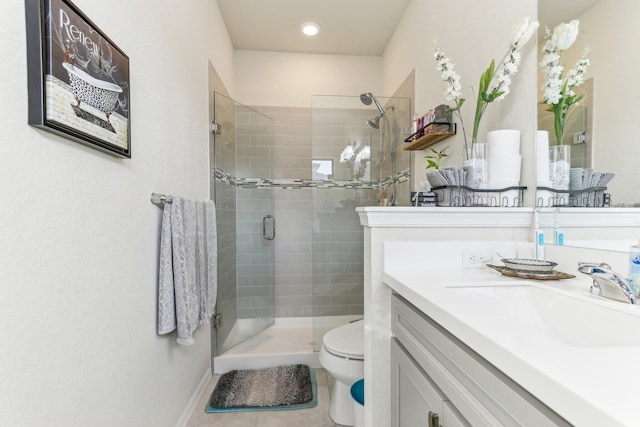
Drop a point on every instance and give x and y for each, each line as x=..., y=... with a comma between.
x=609, y=28
x=606, y=228
x=602, y=136
x=578, y=131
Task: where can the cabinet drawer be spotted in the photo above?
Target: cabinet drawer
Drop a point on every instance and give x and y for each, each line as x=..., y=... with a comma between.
x=479, y=391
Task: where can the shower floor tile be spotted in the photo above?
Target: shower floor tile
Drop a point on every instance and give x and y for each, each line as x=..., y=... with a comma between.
x=312, y=417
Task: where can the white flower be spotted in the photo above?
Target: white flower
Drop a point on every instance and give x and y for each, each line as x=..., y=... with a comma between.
x=510, y=67
x=558, y=87
x=553, y=83
x=448, y=74
x=502, y=76
x=505, y=78
x=550, y=58
x=551, y=96
x=347, y=153
x=565, y=34
x=494, y=82
x=363, y=154
x=522, y=32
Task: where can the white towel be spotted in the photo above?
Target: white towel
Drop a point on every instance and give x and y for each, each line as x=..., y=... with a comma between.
x=187, y=277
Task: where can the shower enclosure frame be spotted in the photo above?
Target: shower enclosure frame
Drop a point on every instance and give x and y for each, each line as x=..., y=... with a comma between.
x=326, y=205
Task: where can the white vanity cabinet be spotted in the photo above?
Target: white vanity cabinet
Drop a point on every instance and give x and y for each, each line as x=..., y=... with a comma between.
x=434, y=372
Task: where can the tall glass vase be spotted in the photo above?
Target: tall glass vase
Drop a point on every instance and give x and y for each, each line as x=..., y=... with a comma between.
x=477, y=172
x=477, y=166
x=559, y=168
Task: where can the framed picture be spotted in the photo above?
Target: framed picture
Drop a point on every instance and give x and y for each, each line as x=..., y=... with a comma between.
x=78, y=78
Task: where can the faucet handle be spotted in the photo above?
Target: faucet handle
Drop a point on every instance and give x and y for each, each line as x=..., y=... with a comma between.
x=594, y=267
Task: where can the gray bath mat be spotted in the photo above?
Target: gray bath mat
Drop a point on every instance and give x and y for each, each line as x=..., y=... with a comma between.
x=268, y=389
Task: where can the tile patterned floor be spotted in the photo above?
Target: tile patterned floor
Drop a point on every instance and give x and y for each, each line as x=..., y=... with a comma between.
x=312, y=417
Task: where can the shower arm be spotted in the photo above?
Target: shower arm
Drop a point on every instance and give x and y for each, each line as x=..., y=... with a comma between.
x=380, y=109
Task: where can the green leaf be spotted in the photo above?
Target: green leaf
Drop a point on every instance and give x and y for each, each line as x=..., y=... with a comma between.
x=433, y=161
x=486, y=77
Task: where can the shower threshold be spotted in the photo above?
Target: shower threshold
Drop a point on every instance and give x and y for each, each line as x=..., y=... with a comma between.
x=288, y=341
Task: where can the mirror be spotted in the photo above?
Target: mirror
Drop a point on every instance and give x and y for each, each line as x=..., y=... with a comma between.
x=609, y=29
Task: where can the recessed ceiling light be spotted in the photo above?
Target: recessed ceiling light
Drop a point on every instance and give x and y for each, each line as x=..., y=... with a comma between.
x=310, y=28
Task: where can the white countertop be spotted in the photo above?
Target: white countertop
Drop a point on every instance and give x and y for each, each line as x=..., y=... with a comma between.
x=577, y=353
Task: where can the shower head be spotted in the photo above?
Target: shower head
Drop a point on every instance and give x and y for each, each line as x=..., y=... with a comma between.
x=368, y=98
x=375, y=122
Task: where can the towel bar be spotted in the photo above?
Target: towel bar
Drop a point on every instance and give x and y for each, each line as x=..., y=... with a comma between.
x=158, y=199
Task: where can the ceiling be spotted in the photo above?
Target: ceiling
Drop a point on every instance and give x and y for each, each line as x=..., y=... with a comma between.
x=347, y=27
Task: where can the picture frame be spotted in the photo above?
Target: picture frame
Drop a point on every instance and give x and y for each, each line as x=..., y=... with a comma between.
x=78, y=79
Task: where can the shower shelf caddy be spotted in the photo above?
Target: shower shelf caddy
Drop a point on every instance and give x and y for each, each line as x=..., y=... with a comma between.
x=430, y=138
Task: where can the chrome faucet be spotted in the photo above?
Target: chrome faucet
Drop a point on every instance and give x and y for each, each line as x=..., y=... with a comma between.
x=609, y=284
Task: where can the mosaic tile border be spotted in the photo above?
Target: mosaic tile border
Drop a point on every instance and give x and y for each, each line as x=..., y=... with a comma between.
x=398, y=178
x=223, y=176
x=226, y=178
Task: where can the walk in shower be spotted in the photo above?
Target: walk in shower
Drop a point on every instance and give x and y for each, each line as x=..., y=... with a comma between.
x=287, y=182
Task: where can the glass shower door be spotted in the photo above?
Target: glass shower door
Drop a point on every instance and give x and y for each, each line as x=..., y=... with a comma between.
x=243, y=156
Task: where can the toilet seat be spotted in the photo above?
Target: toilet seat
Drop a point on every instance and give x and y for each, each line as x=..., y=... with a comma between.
x=346, y=341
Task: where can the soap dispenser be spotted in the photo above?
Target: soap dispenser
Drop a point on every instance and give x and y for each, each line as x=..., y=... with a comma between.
x=634, y=264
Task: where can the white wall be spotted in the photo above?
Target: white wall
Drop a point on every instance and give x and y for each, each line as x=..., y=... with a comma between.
x=290, y=79
x=471, y=34
x=79, y=235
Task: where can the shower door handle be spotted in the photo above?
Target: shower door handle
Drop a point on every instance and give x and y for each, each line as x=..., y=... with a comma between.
x=264, y=227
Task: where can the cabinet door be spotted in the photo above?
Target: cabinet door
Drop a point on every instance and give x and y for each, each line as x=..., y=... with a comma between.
x=414, y=396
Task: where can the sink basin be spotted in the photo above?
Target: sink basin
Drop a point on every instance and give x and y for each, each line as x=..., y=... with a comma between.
x=574, y=321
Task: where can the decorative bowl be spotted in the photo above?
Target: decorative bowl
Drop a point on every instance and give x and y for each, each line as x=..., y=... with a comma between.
x=523, y=264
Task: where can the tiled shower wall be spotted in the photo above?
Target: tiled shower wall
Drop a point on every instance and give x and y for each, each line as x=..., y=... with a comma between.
x=319, y=240
x=319, y=243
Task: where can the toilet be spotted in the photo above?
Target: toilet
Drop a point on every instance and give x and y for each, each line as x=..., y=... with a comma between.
x=342, y=355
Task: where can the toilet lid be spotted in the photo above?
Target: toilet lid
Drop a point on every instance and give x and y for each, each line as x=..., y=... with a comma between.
x=346, y=340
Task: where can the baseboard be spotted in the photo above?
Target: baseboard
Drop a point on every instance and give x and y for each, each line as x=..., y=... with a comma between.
x=183, y=421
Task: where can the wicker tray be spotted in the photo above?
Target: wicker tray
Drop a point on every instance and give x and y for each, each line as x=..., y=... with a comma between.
x=534, y=275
